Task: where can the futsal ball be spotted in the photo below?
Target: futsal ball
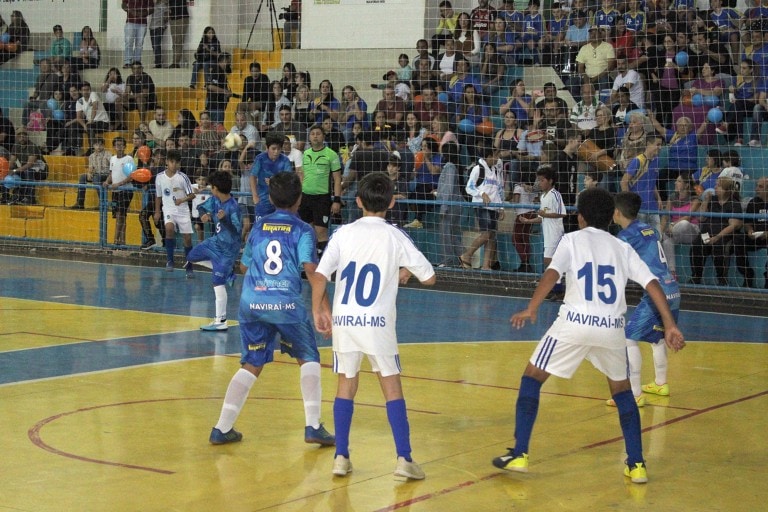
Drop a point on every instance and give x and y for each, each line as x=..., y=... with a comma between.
x=715, y=115
x=142, y=175
x=4, y=167
x=466, y=126
x=128, y=168
x=233, y=141
x=681, y=59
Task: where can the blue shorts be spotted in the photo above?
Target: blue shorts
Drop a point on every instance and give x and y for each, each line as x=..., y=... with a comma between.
x=487, y=220
x=645, y=323
x=222, y=264
x=259, y=341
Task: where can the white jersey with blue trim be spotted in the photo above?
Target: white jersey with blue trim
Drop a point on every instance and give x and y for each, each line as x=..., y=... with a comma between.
x=597, y=266
x=171, y=189
x=366, y=256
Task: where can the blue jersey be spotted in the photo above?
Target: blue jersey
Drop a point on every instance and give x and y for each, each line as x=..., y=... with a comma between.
x=635, y=22
x=277, y=249
x=760, y=56
x=645, y=323
x=643, y=175
x=556, y=26
x=605, y=19
x=226, y=238
x=533, y=27
x=263, y=169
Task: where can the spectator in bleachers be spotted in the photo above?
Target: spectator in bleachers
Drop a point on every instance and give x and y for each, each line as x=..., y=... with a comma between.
x=548, y=118
x=414, y=132
x=428, y=105
x=468, y=40
x=664, y=81
x=482, y=17
x=554, y=37
x=18, y=37
x=246, y=129
x=392, y=106
x=55, y=133
x=7, y=132
x=270, y=116
x=423, y=76
x=209, y=134
x=115, y=98
x=61, y=47
x=189, y=154
x=294, y=131
x=326, y=103
x=449, y=191
x=606, y=17
x=505, y=143
x=178, y=24
x=641, y=176
x=596, y=59
x=604, y=137
x=635, y=18
x=98, y=171
x=334, y=139
x=88, y=54
x=446, y=59
x=707, y=48
x=68, y=76
x=583, y=112
x=301, y=108
x=630, y=79
x=426, y=175
x=501, y=36
x=706, y=177
x=72, y=132
x=256, y=91
x=755, y=234
x=206, y=55
x=460, y=79
x=622, y=108
x=708, y=84
x=135, y=28
x=26, y=162
x=91, y=114
x=533, y=29
x=679, y=226
x=217, y=88
x=518, y=102
x=353, y=109
x=683, y=151
x=576, y=36
x=422, y=53
x=141, y=91
x=662, y=18
x=742, y=97
x=288, y=81
x=157, y=24
x=719, y=231
x=160, y=129
x=471, y=110
x=759, y=114
x=445, y=26
x=185, y=125
x=623, y=40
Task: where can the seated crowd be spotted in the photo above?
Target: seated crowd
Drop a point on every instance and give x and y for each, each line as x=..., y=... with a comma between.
x=642, y=74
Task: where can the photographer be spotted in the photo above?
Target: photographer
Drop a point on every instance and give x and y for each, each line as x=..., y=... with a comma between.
x=292, y=26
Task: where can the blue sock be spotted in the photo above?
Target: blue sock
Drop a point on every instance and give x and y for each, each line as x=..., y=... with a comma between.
x=342, y=422
x=401, y=431
x=186, y=252
x=526, y=410
x=629, y=417
x=170, y=247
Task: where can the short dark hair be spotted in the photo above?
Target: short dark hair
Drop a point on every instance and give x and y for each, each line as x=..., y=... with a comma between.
x=375, y=191
x=254, y=66
x=628, y=203
x=174, y=155
x=596, y=207
x=547, y=172
x=222, y=181
x=450, y=152
x=273, y=138
x=284, y=189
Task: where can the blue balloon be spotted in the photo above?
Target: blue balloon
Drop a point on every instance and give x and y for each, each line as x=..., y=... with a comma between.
x=443, y=98
x=128, y=168
x=681, y=59
x=53, y=104
x=697, y=100
x=715, y=115
x=11, y=181
x=59, y=115
x=5, y=38
x=711, y=101
x=466, y=126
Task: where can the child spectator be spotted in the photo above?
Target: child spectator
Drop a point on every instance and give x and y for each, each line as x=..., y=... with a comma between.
x=223, y=247
x=98, y=171
x=174, y=191
x=282, y=310
x=354, y=252
x=117, y=178
x=202, y=192
x=156, y=166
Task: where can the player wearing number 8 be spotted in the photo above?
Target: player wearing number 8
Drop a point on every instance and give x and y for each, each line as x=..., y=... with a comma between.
x=597, y=267
x=367, y=257
x=279, y=247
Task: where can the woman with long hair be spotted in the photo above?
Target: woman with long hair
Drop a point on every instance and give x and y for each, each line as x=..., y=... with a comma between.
x=467, y=39
x=470, y=114
x=326, y=103
x=505, y=142
x=89, y=54
x=270, y=116
x=115, y=98
x=665, y=81
x=354, y=109
x=678, y=226
x=18, y=37
x=207, y=54
x=288, y=81
x=414, y=132
x=302, y=105
x=186, y=124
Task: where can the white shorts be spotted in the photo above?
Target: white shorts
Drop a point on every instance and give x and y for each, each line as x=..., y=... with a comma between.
x=561, y=359
x=182, y=221
x=349, y=363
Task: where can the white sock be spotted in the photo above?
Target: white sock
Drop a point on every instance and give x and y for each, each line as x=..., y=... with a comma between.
x=220, y=292
x=635, y=364
x=311, y=392
x=660, y=361
x=237, y=394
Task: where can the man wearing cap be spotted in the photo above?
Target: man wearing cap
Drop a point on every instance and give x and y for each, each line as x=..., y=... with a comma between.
x=755, y=234
x=596, y=59
x=26, y=162
x=630, y=79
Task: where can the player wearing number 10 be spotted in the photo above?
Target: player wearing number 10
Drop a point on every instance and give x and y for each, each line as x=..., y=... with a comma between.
x=590, y=325
x=279, y=247
x=370, y=257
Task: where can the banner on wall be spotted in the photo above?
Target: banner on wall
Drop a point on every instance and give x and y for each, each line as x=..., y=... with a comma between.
x=358, y=2
x=42, y=15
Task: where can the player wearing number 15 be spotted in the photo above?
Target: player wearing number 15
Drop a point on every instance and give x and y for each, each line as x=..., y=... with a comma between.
x=279, y=247
x=370, y=257
x=590, y=325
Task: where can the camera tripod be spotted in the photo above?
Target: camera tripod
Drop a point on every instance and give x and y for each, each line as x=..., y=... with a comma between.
x=273, y=28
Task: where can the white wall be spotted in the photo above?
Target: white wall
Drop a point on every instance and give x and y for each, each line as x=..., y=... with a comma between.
x=42, y=15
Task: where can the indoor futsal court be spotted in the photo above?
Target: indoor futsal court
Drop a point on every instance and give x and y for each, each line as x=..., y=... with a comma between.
x=109, y=390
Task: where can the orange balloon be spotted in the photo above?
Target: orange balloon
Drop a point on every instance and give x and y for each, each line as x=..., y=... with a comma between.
x=144, y=154
x=142, y=175
x=4, y=167
x=484, y=128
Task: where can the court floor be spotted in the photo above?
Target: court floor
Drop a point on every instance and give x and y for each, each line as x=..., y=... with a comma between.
x=108, y=392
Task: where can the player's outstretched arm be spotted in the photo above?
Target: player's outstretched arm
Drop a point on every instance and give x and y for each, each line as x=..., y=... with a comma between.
x=547, y=281
x=672, y=335
x=321, y=308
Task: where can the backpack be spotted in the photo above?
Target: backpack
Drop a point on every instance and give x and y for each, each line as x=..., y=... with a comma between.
x=480, y=179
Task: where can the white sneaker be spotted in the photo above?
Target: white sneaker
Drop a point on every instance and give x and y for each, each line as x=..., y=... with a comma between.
x=220, y=324
x=409, y=469
x=754, y=144
x=342, y=466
